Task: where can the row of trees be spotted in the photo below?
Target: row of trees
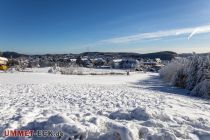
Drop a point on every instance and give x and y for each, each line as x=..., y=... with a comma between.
x=192, y=73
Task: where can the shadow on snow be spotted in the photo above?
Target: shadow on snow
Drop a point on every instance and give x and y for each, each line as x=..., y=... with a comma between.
x=156, y=84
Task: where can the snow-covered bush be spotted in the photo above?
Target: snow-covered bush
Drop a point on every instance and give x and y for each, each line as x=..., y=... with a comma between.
x=76, y=70
x=54, y=69
x=192, y=73
x=202, y=89
x=179, y=78
x=174, y=71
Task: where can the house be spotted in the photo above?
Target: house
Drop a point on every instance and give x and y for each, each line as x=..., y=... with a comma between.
x=73, y=60
x=84, y=62
x=3, y=63
x=98, y=62
x=116, y=63
x=126, y=63
x=153, y=66
x=129, y=63
x=158, y=60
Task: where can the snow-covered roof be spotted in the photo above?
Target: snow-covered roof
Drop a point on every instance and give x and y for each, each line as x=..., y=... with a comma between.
x=96, y=59
x=84, y=59
x=99, y=60
x=73, y=60
x=3, y=59
x=117, y=60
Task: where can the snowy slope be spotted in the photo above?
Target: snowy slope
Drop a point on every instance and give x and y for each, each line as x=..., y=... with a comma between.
x=120, y=107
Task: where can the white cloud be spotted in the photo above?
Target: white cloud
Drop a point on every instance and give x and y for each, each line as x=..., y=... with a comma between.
x=159, y=34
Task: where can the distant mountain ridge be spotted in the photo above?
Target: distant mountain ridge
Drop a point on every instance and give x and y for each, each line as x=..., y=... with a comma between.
x=13, y=54
x=164, y=55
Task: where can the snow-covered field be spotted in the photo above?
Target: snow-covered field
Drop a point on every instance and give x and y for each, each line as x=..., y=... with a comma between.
x=116, y=107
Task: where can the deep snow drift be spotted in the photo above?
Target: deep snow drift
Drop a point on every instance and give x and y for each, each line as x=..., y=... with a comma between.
x=120, y=107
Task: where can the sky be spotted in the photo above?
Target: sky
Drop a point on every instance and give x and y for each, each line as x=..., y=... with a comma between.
x=75, y=26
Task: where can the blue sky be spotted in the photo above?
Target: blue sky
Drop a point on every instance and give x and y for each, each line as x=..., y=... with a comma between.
x=64, y=26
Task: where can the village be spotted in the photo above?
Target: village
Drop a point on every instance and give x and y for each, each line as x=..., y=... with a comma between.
x=65, y=61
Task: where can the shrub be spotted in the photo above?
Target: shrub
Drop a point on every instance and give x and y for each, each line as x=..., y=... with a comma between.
x=192, y=73
x=72, y=70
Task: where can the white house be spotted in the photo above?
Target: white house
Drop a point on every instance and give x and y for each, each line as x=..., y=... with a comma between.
x=129, y=63
x=116, y=63
x=3, y=61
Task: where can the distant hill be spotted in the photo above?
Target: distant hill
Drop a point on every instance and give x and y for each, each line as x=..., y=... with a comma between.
x=190, y=54
x=13, y=55
x=111, y=54
x=165, y=55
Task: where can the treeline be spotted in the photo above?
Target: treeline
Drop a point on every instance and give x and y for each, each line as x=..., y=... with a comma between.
x=192, y=73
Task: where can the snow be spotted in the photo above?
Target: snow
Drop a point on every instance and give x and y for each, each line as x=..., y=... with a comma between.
x=102, y=107
x=3, y=59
